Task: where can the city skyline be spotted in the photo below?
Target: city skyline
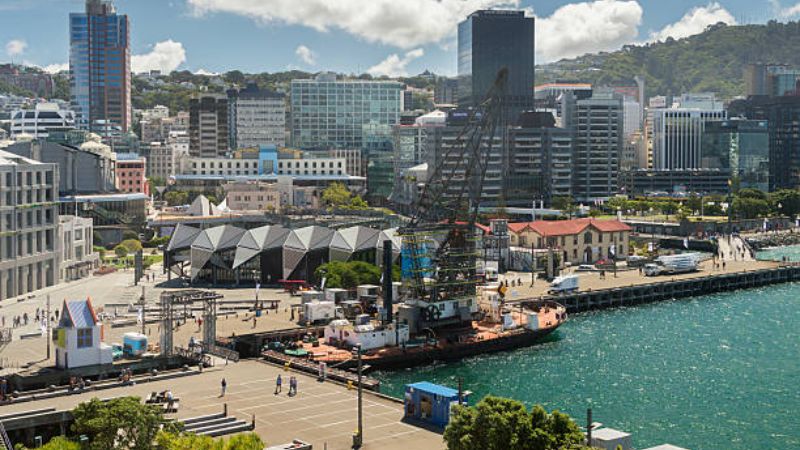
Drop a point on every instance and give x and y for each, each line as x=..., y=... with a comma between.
x=387, y=38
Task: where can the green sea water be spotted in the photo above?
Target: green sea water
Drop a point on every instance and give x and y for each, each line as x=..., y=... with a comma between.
x=718, y=372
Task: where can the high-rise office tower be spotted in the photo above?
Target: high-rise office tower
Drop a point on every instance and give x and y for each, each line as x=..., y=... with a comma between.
x=100, y=66
x=678, y=131
x=256, y=117
x=597, y=124
x=330, y=113
x=489, y=40
x=208, y=125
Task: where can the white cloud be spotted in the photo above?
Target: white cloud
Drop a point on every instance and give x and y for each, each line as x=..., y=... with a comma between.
x=206, y=73
x=579, y=28
x=16, y=47
x=785, y=13
x=400, y=23
x=166, y=56
x=394, y=65
x=306, y=55
x=695, y=21
x=55, y=68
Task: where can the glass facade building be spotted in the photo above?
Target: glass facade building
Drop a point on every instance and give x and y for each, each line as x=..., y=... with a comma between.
x=740, y=147
x=327, y=113
x=489, y=40
x=100, y=65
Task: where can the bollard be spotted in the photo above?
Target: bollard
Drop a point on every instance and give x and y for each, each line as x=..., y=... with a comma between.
x=225, y=409
x=286, y=366
x=349, y=385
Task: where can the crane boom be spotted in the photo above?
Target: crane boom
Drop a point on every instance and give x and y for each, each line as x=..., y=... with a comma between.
x=440, y=241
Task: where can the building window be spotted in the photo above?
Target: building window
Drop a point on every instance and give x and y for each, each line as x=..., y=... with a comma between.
x=587, y=237
x=84, y=337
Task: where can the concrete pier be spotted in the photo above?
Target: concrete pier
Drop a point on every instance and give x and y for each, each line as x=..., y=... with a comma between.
x=672, y=289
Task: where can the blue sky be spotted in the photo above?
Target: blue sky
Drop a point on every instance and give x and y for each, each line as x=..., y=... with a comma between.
x=393, y=37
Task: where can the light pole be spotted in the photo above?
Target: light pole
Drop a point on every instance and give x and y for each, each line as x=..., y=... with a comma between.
x=358, y=439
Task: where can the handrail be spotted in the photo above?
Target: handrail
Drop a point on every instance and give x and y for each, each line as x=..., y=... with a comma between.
x=4, y=437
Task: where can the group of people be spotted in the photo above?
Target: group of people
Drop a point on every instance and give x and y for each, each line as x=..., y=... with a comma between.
x=76, y=383
x=24, y=319
x=292, y=385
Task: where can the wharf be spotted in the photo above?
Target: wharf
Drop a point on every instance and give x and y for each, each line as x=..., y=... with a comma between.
x=671, y=289
x=312, y=368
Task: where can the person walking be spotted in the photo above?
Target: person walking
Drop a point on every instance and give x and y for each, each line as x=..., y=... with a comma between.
x=292, y=386
x=278, y=382
x=224, y=387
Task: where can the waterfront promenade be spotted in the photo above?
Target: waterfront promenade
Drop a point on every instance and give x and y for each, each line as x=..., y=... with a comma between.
x=323, y=414
x=592, y=281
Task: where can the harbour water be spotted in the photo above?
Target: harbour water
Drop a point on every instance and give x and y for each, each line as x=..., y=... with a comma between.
x=717, y=372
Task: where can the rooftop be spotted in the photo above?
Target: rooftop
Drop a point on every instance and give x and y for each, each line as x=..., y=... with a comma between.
x=568, y=227
x=8, y=158
x=431, y=388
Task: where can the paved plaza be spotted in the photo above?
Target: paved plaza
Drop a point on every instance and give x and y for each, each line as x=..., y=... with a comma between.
x=323, y=414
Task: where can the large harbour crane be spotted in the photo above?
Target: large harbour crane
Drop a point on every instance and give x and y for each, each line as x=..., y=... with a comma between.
x=440, y=241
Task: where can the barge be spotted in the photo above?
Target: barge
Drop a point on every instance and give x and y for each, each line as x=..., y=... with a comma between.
x=391, y=347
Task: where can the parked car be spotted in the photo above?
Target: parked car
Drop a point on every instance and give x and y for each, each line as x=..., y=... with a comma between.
x=585, y=268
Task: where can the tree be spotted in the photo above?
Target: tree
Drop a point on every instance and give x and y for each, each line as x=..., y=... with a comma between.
x=789, y=201
x=132, y=245
x=499, y=423
x=121, y=251
x=750, y=208
x=57, y=443
x=189, y=441
x=119, y=423
x=336, y=195
x=176, y=198
x=561, y=203
x=348, y=275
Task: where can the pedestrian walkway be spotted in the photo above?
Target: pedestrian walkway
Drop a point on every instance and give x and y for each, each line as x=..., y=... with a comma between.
x=733, y=248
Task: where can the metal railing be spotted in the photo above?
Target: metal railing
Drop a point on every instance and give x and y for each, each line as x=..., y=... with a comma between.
x=4, y=440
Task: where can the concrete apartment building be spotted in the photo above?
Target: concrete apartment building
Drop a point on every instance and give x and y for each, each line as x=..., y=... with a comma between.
x=37, y=121
x=256, y=117
x=28, y=225
x=312, y=166
x=208, y=126
x=87, y=169
x=76, y=256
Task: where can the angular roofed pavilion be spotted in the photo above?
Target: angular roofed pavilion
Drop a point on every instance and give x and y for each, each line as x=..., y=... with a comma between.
x=353, y=242
x=208, y=245
x=306, y=248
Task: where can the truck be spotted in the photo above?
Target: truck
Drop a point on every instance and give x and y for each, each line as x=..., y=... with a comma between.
x=317, y=312
x=564, y=284
x=673, y=264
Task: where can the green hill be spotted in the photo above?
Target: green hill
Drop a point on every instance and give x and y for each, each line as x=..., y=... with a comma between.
x=712, y=61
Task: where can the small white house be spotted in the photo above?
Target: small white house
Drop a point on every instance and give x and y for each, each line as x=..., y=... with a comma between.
x=80, y=336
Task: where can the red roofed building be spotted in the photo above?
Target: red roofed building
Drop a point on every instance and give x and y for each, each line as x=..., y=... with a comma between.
x=578, y=240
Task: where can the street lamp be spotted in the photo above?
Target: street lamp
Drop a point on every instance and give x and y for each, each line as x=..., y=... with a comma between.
x=358, y=439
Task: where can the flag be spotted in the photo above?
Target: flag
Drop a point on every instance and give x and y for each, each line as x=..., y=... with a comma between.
x=258, y=287
x=43, y=325
x=612, y=250
x=686, y=243
x=140, y=316
x=649, y=246
x=322, y=285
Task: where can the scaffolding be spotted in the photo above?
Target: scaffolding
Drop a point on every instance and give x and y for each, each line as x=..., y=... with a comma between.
x=170, y=300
